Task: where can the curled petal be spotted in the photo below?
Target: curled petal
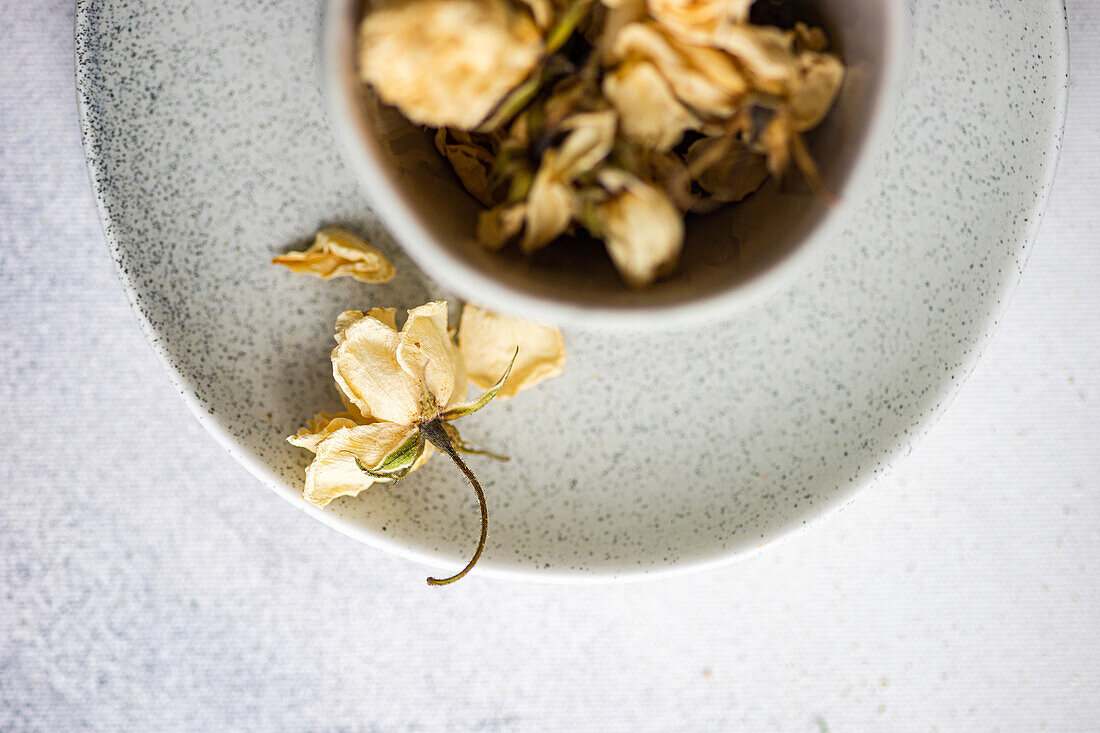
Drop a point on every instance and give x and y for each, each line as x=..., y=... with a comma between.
x=337, y=253
x=699, y=20
x=365, y=367
x=641, y=228
x=819, y=82
x=550, y=206
x=705, y=79
x=427, y=354
x=334, y=472
x=320, y=427
x=650, y=113
x=488, y=340
x=496, y=227
x=471, y=163
x=732, y=174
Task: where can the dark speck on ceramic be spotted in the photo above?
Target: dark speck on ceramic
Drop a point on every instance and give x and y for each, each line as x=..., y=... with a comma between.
x=209, y=152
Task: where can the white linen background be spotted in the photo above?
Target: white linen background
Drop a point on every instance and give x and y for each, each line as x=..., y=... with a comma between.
x=147, y=581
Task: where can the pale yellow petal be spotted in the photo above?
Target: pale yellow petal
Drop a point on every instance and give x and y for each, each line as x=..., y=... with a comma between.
x=641, y=228
x=591, y=137
x=447, y=62
x=488, y=341
x=365, y=367
x=703, y=78
x=649, y=112
x=320, y=427
x=699, y=20
x=338, y=253
x=426, y=352
x=550, y=206
x=819, y=83
x=765, y=54
x=333, y=472
x=496, y=227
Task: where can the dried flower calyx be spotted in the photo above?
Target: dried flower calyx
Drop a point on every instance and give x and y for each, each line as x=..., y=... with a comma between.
x=617, y=117
x=402, y=391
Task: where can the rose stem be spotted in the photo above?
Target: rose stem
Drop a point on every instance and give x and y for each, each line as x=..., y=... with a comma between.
x=435, y=434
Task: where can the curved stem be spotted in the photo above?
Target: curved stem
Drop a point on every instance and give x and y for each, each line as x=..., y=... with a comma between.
x=436, y=435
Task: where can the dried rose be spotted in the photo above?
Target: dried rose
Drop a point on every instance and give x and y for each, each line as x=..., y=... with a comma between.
x=338, y=253
x=487, y=340
x=405, y=387
x=447, y=62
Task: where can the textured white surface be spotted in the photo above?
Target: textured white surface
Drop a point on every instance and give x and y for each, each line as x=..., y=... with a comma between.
x=146, y=581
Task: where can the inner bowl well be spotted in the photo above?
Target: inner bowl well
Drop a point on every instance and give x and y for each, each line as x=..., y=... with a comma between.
x=730, y=258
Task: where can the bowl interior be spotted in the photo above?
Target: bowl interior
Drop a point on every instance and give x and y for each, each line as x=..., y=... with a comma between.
x=725, y=252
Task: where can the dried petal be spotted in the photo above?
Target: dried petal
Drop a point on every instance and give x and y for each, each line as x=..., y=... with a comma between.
x=550, y=206
x=703, y=78
x=699, y=20
x=447, y=62
x=338, y=253
x=643, y=231
x=488, y=340
x=320, y=427
x=426, y=352
x=496, y=227
x=765, y=54
x=365, y=366
x=471, y=163
x=591, y=137
x=821, y=75
x=729, y=176
x=650, y=114
x=334, y=472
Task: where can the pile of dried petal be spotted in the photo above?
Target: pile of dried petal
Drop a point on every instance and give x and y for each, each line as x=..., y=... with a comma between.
x=403, y=389
x=617, y=117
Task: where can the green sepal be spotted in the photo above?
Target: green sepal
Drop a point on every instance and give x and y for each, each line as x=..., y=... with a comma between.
x=398, y=463
x=565, y=26
x=463, y=447
x=471, y=407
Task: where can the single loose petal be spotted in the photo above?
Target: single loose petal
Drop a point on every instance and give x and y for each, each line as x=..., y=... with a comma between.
x=333, y=471
x=338, y=253
x=730, y=176
x=488, y=341
x=365, y=367
x=426, y=351
x=447, y=62
x=641, y=228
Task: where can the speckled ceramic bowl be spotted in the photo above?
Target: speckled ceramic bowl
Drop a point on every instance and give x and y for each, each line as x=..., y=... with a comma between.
x=656, y=452
x=731, y=257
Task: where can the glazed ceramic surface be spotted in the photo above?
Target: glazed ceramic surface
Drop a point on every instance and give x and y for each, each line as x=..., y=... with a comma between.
x=656, y=451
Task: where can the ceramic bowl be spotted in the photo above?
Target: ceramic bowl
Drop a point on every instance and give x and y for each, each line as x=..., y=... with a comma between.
x=731, y=257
